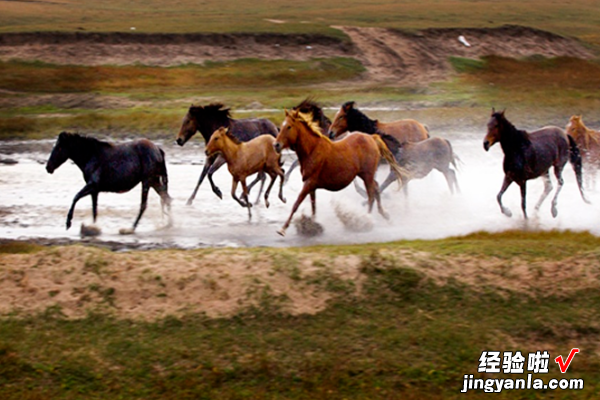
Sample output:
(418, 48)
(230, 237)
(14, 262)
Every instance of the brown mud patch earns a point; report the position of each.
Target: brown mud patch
(389, 55)
(77, 279)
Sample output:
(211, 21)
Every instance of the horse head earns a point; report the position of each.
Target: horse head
(217, 141)
(339, 126)
(575, 126)
(189, 127)
(60, 152)
(493, 129)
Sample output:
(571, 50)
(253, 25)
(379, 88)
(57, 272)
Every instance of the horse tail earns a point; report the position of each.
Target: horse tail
(576, 163)
(401, 173)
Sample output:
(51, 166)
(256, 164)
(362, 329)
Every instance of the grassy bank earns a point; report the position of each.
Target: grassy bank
(410, 326)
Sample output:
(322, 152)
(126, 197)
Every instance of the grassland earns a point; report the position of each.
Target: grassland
(402, 333)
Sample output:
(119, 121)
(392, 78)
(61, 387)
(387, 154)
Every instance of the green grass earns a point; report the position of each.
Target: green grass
(403, 337)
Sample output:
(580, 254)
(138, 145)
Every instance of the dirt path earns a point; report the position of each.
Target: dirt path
(389, 55)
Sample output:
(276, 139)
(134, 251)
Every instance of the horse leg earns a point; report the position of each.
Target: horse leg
(292, 167)
(262, 177)
(375, 195)
(559, 178)
(450, 176)
(523, 186)
(303, 193)
(547, 190)
(233, 189)
(87, 190)
(390, 178)
(245, 194)
(218, 163)
(94, 205)
(360, 190)
(505, 185)
(313, 203)
(281, 182)
(273, 176)
(165, 201)
(145, 189)
(207, 166)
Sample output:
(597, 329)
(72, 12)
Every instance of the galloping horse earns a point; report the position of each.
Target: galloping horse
(332, 165)
(420, 158)
(112, 168)
(208, 119)
(310, 107)
(530, 155)
(247, 158)
(588, 141)
(351, 119)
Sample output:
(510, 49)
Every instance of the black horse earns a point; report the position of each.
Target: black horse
(112, 168)
(310, 107)
(531, 155)
(207, 119)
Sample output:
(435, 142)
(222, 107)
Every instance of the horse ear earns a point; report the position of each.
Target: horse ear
(503, 111)
(493, 110)
(349, 105)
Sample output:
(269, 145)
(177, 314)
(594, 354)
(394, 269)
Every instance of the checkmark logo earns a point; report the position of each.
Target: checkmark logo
(565, 365)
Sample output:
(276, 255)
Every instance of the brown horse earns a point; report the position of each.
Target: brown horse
(420, 158)
(310, 107)
(349, 119)
(247, 158)
(531, 155)
(588, 141)
(332, 165)
(208, 119)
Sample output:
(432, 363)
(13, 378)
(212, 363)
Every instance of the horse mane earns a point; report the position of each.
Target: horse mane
(215, 111)
(521, 135)
(307, 119)
(78, 140)
(310, 106)
(232, 137)
(357, 119)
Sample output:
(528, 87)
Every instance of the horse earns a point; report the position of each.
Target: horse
(206, 120)
(420, 158)
(111, 167)
(310, 107)
(588, 142)
(247, 158)
(332, 165)
(531, 155)
(349, 118)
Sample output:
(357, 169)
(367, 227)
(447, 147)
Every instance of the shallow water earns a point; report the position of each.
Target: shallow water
(33, 204)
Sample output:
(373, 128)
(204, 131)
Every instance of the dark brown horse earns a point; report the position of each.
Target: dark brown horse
(245, 159)
(332, 165)
(207, 119)
(310, 107)
(350, 119)
(112, 168)
(531, 155)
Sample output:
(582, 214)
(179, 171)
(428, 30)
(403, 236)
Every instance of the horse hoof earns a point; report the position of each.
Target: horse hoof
(267, 204)
(219, 194)
(281, 232)
(385, 215)
(554, 212)
(126, 231)
(189, 202)
(507, 212)
(283, 200)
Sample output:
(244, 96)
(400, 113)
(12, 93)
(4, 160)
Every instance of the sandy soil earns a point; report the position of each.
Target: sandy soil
(220, 283)
(389, 55)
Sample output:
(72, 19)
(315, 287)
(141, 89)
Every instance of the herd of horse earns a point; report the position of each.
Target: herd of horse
(331, 155)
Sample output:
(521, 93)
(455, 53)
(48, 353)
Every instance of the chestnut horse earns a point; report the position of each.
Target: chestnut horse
(588, 141)
(531, 155)
(247, 158)
(310, 107)
(208, 119)
(332, 165)
(108, 167)
(350, 119)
